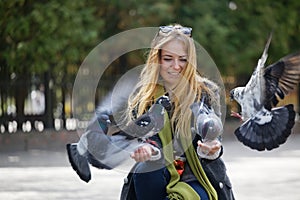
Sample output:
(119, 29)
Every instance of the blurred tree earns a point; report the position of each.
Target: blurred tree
(44, 37)
(251, 24)
(235, 32)
(50, 39)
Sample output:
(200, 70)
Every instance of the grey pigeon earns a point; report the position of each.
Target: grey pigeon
(149, 123)
(106, 150)
(266, 126)
(207, 124)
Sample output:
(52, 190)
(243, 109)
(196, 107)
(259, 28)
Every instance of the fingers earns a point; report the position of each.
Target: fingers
(205, 149)
(216, 147)
(142, 154)
(210, 147)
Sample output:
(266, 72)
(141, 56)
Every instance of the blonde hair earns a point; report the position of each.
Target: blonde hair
(187, 91)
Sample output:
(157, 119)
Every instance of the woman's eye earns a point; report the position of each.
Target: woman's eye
(183, 60)
(167, 59)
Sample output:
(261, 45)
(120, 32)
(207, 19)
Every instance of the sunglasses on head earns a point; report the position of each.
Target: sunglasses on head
(185, 30)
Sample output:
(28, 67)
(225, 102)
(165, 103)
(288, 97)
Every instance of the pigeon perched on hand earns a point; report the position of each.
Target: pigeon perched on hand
(266, 126)
(208, 125)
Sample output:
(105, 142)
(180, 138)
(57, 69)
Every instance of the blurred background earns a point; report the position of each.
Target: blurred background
(43, 43)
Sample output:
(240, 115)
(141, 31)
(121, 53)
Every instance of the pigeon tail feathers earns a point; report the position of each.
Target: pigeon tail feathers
(267, 129)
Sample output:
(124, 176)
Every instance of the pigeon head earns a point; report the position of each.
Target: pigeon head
(237, 94)
(165, 102)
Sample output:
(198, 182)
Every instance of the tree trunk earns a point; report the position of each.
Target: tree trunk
(49, 119)
(21, 86)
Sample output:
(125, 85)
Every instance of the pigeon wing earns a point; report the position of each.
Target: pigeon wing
(149, 123)
(253, 93)
(255, 78)
(281, 78)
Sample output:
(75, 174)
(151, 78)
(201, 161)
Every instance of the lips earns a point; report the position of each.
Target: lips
(174, 74)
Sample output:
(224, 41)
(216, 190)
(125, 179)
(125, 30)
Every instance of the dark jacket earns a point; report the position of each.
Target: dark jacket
(214, 169)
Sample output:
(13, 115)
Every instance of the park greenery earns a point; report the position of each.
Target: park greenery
(44, 42)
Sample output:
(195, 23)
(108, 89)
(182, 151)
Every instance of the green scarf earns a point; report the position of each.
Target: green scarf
(176, 189)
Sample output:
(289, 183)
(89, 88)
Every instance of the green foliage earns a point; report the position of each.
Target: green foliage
(55, 36)
(235, 32)
(39, 35)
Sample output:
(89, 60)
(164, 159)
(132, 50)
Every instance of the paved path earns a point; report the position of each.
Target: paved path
(46, 175)
(265, 175)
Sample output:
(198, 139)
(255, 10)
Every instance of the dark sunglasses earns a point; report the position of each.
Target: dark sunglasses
(185, 30)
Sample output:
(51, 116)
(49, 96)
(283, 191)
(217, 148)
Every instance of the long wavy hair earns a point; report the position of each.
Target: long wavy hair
(187, 91)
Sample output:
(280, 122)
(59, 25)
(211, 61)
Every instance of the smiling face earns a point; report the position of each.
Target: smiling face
(173, 60)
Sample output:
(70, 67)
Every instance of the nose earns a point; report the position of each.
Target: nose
(176, 65)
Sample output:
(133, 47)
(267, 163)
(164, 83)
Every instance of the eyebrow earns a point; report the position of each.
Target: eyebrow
(168, 55)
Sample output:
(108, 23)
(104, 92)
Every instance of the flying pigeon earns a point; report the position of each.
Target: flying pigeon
(266, 126)
(107, 151)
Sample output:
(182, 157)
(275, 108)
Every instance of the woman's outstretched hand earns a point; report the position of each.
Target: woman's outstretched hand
(142, 154)
(209, 147)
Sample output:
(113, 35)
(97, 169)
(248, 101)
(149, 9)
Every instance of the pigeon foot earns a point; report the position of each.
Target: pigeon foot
(237, 115)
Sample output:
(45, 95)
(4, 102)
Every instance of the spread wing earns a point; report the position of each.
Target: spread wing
(255, 80)
(281, 78)
(251, 97)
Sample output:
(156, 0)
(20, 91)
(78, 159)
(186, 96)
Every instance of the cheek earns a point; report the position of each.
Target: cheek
(164, 64)
(163, 69)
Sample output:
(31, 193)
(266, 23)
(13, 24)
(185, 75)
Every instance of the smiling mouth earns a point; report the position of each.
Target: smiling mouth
(174, 74)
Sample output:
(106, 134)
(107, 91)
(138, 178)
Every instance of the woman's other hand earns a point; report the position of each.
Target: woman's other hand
(142, 154)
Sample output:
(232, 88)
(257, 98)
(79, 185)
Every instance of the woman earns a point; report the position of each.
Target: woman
(175, 171)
